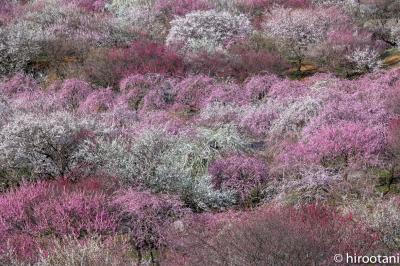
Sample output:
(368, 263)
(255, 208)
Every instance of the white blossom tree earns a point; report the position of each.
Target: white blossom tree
(34, 145)
(297, 31)
(207, 30)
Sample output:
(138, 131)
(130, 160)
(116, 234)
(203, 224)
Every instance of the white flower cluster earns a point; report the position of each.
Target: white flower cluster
(365, 59)
(297, 30)
(45, 146)
(19, 43)
(295, 117)
(395, 33)
(207, 30)
(227, 5)
(121, 7)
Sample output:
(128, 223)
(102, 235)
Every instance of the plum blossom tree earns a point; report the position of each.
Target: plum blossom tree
(365, 60)
(19, 44)
(5, 112)
(381, 215)
(146, 218)
(216, 113)
(243, 174)
(257, 121)
(71, 93)
(91, 5)
(299, 30)
(207, 30)
(37, 146)
(295, 117)
(98, 101)
(341, 145)
(191, 93)
(349, 51)
(257, 87)
(18, 83)
(145, 57)
(183, 169)
(121, 6)
(33, 211)
(171, 164)
(146, 92)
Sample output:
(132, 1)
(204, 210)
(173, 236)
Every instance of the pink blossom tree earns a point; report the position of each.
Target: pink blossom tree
(298, 31)
(243, 174)
(33, 212)
(146, 217)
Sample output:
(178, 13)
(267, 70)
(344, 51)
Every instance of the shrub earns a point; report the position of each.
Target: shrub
(207, 30)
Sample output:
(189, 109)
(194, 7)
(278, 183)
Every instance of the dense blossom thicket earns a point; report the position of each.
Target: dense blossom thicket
(198, 132)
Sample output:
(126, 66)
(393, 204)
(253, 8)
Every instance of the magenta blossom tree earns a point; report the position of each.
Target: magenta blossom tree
(145, 217)
(243, 174)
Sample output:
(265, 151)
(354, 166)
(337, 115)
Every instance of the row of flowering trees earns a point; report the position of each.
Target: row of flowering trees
(86, 38)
